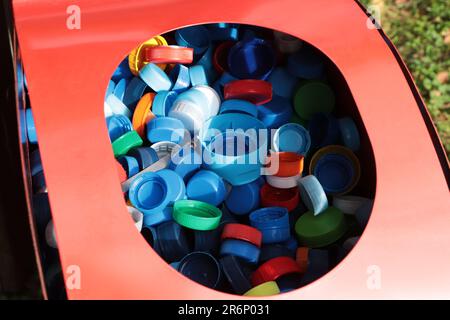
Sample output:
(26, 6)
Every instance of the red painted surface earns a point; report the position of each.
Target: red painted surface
(67, 72)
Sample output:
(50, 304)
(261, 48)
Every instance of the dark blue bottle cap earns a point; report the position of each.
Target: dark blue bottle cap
(349, 133)
(145, 156)
(270, 251)
(173, 241)
(323, 129)
(185, 162)
(275, 113)
(242, 249)
(119, 89)
(206, 186)
(251, 59)
(130, 164)
(155, 218)
(273, 222)
(162, 103)
(122, 71)
(291, 244)
(289, 282)
(180, 78)
(196, 37)
(165, 129)
(31, 130)
(118, 125)
(245, 198)
(307, 63)
(239, 106)
(236, 273)
(227, 216)
(318, 265)
(35, 162)
(208, 241)
(362, 215)
(150, 235)
(177, 188)
(202, 268)
(42, 213)
(38, 181)
(283, 83)
(133, 93)
(207, 62)
(335, 173)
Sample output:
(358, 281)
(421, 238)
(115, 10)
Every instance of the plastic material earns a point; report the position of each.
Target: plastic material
(242, 232)
(273, 269)
(313, 97)
(274, 197)
(239, 106)
(241, 249)
(237, 274)
(255, 91)
(165, 129)
(244, 198)
(275, 113)
(149, 193)
(143, 114)
(268, 288)
(202, 268)
(196, 215)
(162, 103)
(126, 142)
(179, 76)
(292, 137)
(312, 194)
(155, 78)
(208, 187)
(273, 222)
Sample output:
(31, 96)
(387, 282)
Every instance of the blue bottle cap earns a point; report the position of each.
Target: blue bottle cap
(323, 129)
(349, 133)
(151, 236)
(283, 83)
(251, 59)
(164, 148)
(242, 249)
(110, 88)
(156, 218)
(173, 241)
(185, 162)
(270, 251)
(165, 129)
(133, 93)
(41, 210)
(273, 222)
(291, 244)
(208, 241)
(191, 114)
(155, 78)
(292, 137)
(227, 216)
(307, 63)
(117, 106)
(118, 125)
(38, 181)
(119, 90)
(289, 282)
(225, 78)
(275, 113)
(318, 265)
(149, 193)
(236, 273)
(202, 268)
(223, 32)
(198, 75)
(31, 130)
(196, 37)
(145, 156)
(179, 76)
(239, 106)
(206, 186)
(245, 198)
(207, 62)
(162, 102)
(312, 194)
(35, 162)
(122, 71)
(335, 173)
(177, 190)
(130, 164)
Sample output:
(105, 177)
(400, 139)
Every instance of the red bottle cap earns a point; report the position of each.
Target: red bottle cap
(301, 257)
(274, 197)
(255, 91)
(220, 57)
(273, 269)
(242, 232)
(169, 54)
(289, 163)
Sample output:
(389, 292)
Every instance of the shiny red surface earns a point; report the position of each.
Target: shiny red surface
(242, 232)
(256, 91)
(407, 239)
(273, 269)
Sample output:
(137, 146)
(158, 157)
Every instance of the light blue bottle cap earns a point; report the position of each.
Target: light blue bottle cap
(145, 156)
(349, 133)
(152, 219)
(292, 137)
(208, 187)
(119, 90)
(185, 162)
(198, 75)
(245, 198)
(283, 83)
(313, 195)
(239, 106)
(149, 193)
(335, 173)
(275, 113)
(196, 37)
(162, 103)
(205, 97)
(110, 88)
(155, 78)
(165, 129)
(122, 71)
(117, 106)
(130, 164)
(31, 130)
(177, 188)
(133, 93)
(307, 63)
(117, 126)
(180, 78)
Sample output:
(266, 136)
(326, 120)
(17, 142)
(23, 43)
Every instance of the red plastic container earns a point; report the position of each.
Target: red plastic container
(406, 244)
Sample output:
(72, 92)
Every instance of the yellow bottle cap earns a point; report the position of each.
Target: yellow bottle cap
(136, 57)
(268, 288)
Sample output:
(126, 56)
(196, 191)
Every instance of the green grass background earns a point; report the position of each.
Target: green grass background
(420, 29)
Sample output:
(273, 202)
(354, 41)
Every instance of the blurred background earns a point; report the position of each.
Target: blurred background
(420, 29)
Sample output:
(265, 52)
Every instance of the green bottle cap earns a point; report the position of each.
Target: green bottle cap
(124, 143)
(312, 97)
(196, 215)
